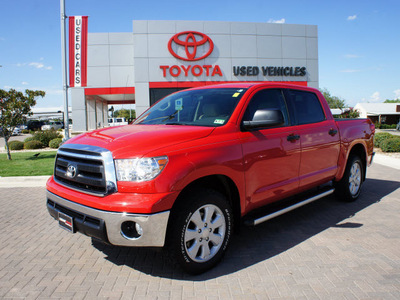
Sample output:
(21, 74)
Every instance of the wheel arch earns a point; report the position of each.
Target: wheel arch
(359, 150)
(220, 183)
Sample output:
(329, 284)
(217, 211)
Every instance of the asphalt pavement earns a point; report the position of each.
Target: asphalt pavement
(325, 250)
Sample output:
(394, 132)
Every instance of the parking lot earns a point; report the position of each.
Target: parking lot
(325, 250)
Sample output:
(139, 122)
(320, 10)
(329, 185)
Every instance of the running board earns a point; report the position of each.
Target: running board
(287, 209)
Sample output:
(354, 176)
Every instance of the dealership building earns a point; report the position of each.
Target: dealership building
(160, 57)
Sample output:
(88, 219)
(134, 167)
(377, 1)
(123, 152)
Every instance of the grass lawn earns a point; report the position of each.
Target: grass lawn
(26, 164)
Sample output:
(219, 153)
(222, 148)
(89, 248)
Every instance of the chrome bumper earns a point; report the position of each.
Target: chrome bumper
(154, 226)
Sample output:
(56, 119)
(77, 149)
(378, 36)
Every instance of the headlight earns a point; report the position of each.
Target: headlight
(139, 169)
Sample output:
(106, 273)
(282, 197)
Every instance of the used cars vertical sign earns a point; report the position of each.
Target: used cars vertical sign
(78, 31)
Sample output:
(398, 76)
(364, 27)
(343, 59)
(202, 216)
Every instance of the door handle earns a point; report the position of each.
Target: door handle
(293, 137)
(332, 132)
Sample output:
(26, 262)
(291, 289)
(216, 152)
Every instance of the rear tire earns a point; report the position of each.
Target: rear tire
(200, 231)
(349, 187)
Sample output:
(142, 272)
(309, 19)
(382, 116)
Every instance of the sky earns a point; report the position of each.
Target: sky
(358, 40)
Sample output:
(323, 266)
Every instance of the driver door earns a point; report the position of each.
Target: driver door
(271, 155)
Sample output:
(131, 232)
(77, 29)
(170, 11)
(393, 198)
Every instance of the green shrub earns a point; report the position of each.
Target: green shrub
(46, 136)
(55, 143)
(33, 145)
(25, 131)
(29, 138)
(385, 126)
(391, 145)
(16, 145)
(380, 137)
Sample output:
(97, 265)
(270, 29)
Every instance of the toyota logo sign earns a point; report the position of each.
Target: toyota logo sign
(196, 45)
(71, 171)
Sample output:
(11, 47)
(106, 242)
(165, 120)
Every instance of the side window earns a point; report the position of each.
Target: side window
(307, 107)
(267, 99)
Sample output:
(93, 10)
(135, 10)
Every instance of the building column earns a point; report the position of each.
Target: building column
(91, 114)
(142, 96)
(78, 105)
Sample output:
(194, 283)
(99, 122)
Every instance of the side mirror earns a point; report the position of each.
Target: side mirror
(265, 118)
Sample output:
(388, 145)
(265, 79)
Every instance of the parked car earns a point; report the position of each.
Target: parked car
(22, 127)
(398, 126)
(203, 161)
(34, 125)
(117, 122)
(53, 125)
(17, 131)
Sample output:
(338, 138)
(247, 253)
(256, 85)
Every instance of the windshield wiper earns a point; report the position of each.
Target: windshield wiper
(174, 123)
(171, 116)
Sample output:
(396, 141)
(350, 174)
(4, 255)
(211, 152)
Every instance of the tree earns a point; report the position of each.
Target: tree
(14, 108)
(350, 114)
(333, 101)
(392, 101)
(125, 113)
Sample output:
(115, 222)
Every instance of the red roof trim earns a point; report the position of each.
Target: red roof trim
(176, 84)
(109, 91)
(191, 84)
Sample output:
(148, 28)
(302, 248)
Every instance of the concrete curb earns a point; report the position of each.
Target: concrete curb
(387, 161)
(23, 181)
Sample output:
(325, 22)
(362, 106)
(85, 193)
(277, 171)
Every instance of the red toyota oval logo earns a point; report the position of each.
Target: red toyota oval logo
(196, 45)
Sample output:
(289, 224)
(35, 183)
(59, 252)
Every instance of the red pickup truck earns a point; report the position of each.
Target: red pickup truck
(202, 161)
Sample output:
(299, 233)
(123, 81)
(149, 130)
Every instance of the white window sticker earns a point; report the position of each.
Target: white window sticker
(178, 104)
(219, 121)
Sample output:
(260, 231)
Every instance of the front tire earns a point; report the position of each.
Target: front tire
(349, 187)
(200, 231)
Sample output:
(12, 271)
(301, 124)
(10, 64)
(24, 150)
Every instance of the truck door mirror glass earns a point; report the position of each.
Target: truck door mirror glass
(265, 118)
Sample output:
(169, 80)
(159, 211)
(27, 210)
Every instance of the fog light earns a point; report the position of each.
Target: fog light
(139, 229)
(131, 230)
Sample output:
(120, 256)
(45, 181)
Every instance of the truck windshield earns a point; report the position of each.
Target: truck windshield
(208, 107)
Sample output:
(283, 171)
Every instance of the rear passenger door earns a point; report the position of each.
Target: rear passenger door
(319, 137)
(271, 155)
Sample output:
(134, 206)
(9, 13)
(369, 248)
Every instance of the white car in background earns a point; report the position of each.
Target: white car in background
(117, 122)
(53, 125)
(17, 131)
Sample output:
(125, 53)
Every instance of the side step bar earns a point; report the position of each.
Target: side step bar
(289, 208)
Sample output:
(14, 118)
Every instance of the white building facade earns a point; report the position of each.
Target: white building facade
(381, 113)
(160, 57)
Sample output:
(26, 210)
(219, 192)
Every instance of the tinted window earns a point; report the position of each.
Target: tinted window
(266, 99)
(307, 107)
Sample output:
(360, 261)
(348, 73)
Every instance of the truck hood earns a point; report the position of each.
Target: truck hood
(138, 140)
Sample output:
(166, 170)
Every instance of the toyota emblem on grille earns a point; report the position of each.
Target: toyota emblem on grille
(194, 43)
(71, 171)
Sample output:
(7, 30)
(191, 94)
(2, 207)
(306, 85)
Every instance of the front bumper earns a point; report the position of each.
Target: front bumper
(106, 225)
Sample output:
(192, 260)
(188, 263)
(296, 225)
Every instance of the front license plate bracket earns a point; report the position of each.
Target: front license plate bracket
(66, 222)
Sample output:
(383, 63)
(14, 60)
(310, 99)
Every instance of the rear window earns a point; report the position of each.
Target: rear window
(307, 107)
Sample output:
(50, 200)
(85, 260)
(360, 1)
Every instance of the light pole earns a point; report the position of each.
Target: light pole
(64, 68)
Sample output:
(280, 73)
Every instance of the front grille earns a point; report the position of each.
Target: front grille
(84, 170)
